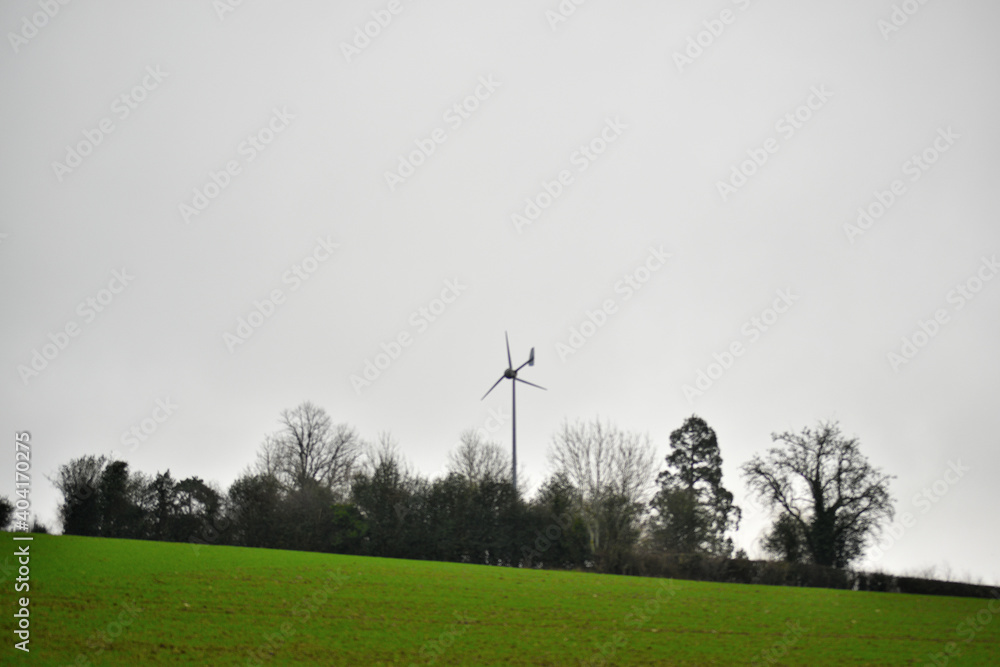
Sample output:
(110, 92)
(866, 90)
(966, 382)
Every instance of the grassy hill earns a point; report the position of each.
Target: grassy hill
(102, 601)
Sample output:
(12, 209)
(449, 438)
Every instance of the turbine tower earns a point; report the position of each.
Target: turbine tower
(511, 374)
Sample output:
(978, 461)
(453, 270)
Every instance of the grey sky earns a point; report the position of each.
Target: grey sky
(620, 142)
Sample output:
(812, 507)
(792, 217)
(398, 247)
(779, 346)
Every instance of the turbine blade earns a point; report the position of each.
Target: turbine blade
(492, 388)
(510, 364)
(531, 383)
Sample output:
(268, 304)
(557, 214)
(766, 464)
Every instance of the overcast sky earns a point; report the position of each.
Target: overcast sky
(210, 213)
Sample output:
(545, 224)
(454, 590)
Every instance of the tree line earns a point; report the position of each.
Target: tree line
(317, 486)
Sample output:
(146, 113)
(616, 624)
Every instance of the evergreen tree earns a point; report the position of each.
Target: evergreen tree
(693, 510)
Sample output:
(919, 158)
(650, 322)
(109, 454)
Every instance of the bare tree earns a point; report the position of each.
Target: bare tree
(79, 481)
(613, 472)
(829, 498)
(309, 449)
(479, 460)
(599, 458)
(382, 453)
(269, 460)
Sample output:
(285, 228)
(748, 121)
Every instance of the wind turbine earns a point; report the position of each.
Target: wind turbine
(511, 374)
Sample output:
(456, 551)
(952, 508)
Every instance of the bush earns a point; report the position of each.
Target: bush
(918, 586)
(697, 567)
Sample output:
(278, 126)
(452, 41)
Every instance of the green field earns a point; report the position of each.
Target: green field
(101, 601)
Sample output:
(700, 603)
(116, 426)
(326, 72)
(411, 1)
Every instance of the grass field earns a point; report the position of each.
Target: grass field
(122, 602)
